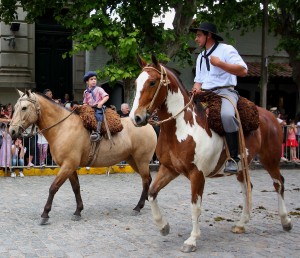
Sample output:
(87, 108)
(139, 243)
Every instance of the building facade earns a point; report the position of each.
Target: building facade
(31, 58)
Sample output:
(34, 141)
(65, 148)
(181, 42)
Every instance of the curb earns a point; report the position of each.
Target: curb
(80, 171)
(120, 169)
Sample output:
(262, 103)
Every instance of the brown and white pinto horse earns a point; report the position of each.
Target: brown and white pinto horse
(70, 145)
(186, 146)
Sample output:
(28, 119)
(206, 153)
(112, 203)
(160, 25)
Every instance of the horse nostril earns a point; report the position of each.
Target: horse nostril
(137, 120)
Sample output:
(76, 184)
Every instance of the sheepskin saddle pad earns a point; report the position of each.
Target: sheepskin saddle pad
(87, 115)
(247, 111)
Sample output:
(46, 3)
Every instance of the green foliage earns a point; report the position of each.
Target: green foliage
(125, 28)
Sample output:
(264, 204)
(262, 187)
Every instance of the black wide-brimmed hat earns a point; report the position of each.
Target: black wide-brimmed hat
(209, 27)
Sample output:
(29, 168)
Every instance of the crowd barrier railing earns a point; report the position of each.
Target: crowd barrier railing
(32, 155)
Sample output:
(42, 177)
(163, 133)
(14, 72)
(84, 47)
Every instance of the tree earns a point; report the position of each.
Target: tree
(284, 21)
(123, 28)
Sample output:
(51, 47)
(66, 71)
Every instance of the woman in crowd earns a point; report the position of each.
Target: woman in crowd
(18, 152)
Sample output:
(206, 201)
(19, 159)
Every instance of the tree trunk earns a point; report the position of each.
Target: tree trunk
(295, 63)
(129, 91)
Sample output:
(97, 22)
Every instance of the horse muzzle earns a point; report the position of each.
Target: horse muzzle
(141, 120)
(15, 131)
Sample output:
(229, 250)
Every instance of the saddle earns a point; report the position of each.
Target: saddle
(247, 110)
(87, 115)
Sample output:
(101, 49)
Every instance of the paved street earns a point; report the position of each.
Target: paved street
(108, 228)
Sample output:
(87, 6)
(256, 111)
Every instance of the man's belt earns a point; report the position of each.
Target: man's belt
(219, 88)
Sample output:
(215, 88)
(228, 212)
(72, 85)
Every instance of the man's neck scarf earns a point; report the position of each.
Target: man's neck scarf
(206, 55)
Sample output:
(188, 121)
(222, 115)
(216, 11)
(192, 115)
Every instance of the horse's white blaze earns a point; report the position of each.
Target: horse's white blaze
(195, 234)
(159, 220)
(140, 81)
(205, 157)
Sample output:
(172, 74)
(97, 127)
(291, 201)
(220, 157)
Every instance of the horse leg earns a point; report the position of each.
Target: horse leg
(197, 186)
(57, 183)
(278, 183)
(143, 169)
(76, 189)
(239, 227)
(163, 177)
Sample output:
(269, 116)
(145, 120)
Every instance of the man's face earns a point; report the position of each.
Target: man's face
(49, 94)
(92, 81)
(125, 109)
(200, 38)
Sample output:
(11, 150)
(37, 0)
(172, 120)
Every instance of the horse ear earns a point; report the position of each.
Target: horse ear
(20, 93)
(142, 63)
(154, 59)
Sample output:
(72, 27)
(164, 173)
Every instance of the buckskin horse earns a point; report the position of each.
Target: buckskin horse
(186, 146)
(70, 145)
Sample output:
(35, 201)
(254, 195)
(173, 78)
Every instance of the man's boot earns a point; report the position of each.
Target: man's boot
(96, 136)
(232, 140)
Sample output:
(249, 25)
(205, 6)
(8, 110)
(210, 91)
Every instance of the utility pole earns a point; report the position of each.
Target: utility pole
(264, 57)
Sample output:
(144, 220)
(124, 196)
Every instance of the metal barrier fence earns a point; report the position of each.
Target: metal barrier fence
(31, 157)
(32, 154)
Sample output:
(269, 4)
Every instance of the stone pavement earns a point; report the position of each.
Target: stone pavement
(108, 228)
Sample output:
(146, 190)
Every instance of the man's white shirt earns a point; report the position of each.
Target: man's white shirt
(217, 77)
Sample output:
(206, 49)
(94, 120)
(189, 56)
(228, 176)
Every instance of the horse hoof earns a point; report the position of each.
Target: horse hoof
(287, 227)
(188, 248)
(76, 217)
(44, 221)
(165, 230)
(135, 213)
(238, 230)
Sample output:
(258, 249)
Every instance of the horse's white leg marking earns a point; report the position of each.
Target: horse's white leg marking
(195, 234)
(240, 225)
(159, 220)
(285, 220)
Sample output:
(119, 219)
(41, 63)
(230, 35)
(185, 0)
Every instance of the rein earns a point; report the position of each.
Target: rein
(49, 127)
(243, 153)
(164, 81)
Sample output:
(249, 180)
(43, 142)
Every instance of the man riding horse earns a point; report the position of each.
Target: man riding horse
(217, 69)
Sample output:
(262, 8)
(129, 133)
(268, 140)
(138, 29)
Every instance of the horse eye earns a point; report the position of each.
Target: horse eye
(152, 83)
(24, 108)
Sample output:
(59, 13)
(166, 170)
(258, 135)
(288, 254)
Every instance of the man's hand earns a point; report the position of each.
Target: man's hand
(196, 88)
(215, 61)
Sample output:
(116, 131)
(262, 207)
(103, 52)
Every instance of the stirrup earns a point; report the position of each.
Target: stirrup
(231, 166)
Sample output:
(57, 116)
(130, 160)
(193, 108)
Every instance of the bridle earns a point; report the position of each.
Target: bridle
(164, 81)
(38, 112)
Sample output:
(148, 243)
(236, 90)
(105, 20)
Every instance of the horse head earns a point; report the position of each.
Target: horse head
(151, 90)
(26, 112)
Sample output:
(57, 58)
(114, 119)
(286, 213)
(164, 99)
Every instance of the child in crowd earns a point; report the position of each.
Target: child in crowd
(18, 152)
(5, 150)
(291, 141)
(43, 148)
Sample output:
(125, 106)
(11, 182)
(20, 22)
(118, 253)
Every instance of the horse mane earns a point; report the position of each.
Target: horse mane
(176, 74)
(51, 100)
